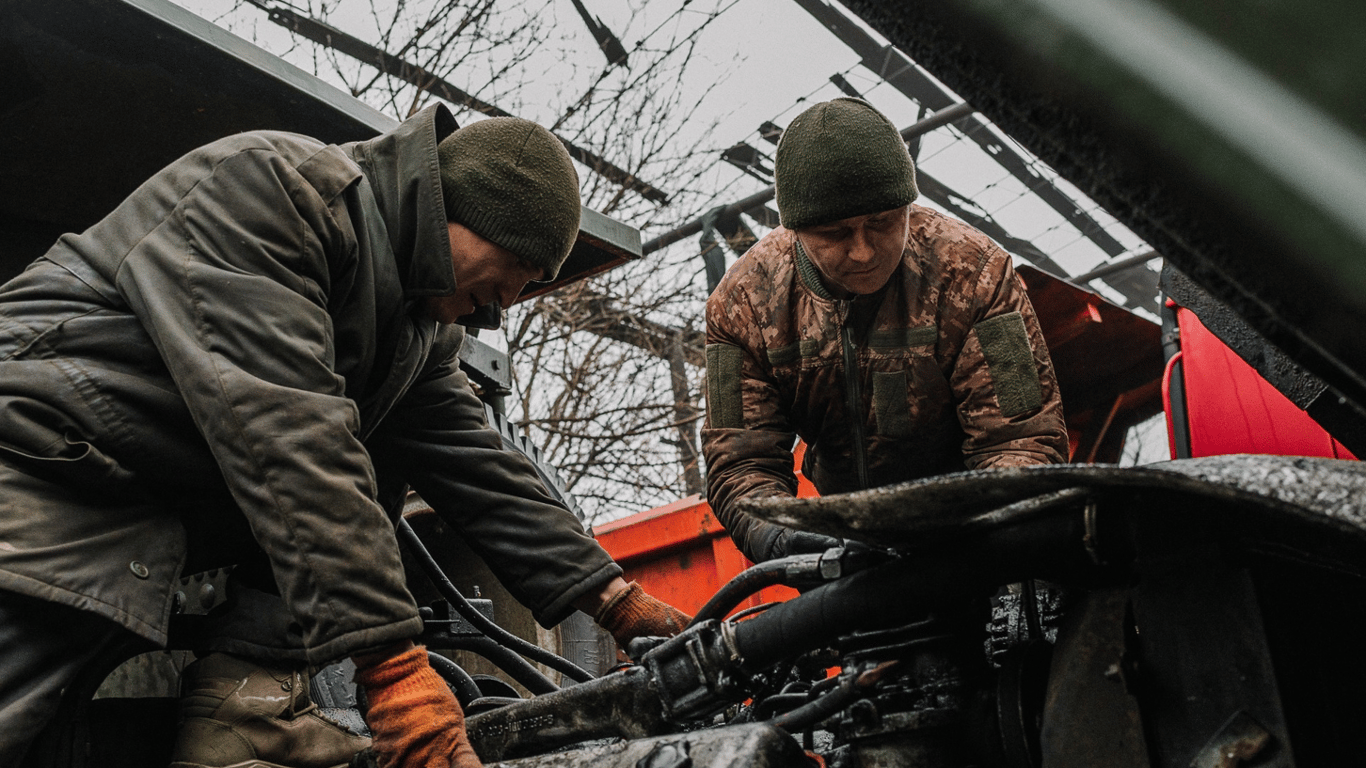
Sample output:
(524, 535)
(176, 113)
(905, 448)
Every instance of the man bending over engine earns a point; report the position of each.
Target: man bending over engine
(250, 361)
(895, 341)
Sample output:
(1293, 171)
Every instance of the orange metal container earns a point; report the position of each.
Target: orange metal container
(681, 554)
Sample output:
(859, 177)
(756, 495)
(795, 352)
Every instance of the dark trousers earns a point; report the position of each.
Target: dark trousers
(44, 648)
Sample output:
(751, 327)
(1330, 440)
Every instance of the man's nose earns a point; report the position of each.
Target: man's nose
(860, 247)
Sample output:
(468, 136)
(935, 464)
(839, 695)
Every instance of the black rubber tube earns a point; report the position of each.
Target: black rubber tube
(480, 621)
(860, 602)
(785, 702)
(807, 715)
(465, 688)
(518, 668)
(752, 580)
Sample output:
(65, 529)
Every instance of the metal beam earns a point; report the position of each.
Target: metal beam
(901, 73)
(331, 37)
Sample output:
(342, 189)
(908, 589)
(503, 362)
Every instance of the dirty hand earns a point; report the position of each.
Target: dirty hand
(631, 613)
(414, 718)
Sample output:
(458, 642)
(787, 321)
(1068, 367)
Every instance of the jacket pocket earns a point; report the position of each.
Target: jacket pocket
(73, 461)
(904, 399)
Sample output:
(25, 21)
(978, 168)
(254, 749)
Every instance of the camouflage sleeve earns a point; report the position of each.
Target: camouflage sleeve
(1003, 382)
(747, 439)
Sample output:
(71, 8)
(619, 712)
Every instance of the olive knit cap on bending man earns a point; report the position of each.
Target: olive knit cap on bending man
(512, 182)
(839, 159)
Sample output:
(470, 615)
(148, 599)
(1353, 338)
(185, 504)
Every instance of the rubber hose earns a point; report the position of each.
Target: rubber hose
(902, 590)
(480, 621)
(518, 668)
(466, 690)
(809, 714)
(748, 582)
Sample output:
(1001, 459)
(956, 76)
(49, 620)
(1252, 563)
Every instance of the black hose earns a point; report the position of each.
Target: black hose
(778, 701)
(803, 717)
(859, 602)
(849, 690)
(753, 609)
(466, 690)
(753, 579)
(480, 621)
(518, 668)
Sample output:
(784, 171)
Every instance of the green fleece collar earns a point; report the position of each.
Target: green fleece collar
(810, 275)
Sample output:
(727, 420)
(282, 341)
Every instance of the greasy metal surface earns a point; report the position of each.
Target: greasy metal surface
(100, 94)
(1238, 742)
(1324, 492)
(1091, 717)
(1195, 159)
(619, 705)
(741, 746)
(1203, 653)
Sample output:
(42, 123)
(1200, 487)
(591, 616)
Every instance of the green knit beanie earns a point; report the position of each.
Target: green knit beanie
(512, 182)
(839, 159)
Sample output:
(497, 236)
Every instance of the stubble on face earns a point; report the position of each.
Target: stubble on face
(857, 255)
(485, 273)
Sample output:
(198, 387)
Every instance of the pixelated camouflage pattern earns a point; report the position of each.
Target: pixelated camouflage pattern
(928, 402)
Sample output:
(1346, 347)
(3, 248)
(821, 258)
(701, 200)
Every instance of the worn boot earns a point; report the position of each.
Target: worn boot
(238, 714)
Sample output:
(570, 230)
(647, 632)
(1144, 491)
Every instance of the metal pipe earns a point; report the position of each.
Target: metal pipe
(938, 119)
(1114, 266)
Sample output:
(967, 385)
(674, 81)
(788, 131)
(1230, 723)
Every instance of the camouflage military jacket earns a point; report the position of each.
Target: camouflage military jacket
(951, 373)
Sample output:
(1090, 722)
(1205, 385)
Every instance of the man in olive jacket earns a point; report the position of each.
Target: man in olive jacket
(897, 342)
(251, 361)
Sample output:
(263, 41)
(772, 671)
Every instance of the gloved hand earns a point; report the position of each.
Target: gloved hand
(632, 613)
(791, 541)
(414, 718)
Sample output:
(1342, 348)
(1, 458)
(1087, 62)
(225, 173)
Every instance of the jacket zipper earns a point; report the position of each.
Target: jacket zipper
(852, 396)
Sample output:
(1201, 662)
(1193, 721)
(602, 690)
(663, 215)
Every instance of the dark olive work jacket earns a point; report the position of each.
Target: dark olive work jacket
(234, 361)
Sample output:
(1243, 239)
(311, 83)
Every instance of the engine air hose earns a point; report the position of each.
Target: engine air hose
(480, 621)
(902, 590)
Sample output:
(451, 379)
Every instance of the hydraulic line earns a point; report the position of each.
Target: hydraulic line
(465, 688)
(822, 615)
(848, 691)
(480, 621)
(518, 668)
(751, 580)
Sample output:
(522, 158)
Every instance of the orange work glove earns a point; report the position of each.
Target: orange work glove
(631, 613)
(414, 718)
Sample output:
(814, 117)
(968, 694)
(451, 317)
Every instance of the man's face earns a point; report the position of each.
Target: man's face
(485, 272)
(858, 255)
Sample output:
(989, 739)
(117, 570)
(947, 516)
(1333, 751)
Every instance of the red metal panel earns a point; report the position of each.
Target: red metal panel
(1232, 409)
(681, 554)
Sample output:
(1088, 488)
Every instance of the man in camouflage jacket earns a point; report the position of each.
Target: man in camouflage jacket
(950, 370)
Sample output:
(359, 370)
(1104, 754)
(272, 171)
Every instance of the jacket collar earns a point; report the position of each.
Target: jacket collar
(404, 171)
(809, 274)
